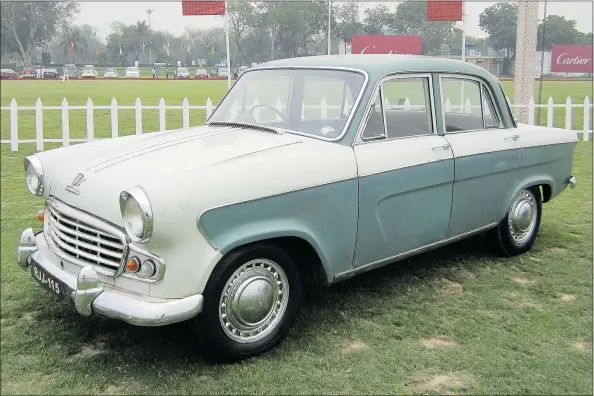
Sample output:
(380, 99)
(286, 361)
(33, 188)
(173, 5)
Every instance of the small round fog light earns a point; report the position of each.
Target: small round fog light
(147, 269)
(133, 264)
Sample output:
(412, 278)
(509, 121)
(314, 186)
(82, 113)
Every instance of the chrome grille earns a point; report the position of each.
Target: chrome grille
(83, 243)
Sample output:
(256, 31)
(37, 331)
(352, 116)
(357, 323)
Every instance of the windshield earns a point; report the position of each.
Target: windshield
(133, 69)
(89, 68)
(110, 70)
(308, 101)
(200, 71)
(182, 70)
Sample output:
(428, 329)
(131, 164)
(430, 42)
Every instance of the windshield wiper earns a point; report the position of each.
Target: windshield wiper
(246, 125)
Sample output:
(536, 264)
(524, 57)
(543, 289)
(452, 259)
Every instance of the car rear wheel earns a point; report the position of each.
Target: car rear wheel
(518, 230)
(250, 302)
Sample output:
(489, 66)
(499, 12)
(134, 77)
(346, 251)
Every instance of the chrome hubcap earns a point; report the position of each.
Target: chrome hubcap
(522, 217)
(254, 300)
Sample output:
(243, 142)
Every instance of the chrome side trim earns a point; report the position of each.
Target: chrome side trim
(354, 109)
(378, 87)
(380, 263)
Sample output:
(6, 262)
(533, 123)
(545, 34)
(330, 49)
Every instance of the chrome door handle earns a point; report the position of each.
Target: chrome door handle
(513, 137)
(444, 147)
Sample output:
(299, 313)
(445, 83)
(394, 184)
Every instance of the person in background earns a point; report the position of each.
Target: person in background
(153, 73)
(167, 73)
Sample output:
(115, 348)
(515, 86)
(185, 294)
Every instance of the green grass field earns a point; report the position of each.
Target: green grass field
(456, 320)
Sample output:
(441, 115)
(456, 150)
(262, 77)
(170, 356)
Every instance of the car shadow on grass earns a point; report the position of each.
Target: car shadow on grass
(121, 344)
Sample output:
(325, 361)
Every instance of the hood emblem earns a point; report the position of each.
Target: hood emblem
(75, 183)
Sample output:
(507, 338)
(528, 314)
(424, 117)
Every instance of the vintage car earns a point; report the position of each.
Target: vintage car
(8, 74)
(313, 169)
(89, 71)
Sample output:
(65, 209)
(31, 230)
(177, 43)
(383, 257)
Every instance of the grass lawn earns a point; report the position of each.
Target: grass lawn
(457, 319)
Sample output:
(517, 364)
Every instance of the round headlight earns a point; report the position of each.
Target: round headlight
(34, 174)
(136, 214)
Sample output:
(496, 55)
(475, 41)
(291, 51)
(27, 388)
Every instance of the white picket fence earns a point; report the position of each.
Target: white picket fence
(65, 108)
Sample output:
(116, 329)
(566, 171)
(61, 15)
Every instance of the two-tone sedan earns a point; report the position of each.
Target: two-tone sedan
(311, 169)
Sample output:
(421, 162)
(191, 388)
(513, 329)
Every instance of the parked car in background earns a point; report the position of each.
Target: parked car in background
(201, 74)
(111, 72)
(182, 72)
(29, 72)
(7, 74)
(241, 70)
(71, 70)
(132, 72)
(50, 73)
(221, 72)
(225, 223)
(89, 71)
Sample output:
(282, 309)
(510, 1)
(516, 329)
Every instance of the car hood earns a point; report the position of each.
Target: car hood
(113, 165)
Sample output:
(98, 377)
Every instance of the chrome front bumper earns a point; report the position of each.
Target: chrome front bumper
(91, 296)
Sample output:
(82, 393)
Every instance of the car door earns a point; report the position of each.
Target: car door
(406, 172)
(487, 156)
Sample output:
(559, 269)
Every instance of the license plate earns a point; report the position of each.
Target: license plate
(50, 283)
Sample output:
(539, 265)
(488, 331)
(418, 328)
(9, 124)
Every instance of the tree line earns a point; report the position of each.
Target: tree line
(259, 31)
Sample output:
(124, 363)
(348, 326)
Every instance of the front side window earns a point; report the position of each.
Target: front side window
(402, 108)
(408, 107)
(310, 101)
(375, 127)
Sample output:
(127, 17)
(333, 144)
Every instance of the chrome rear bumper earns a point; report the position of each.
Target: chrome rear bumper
(572, 181)
(91, 296)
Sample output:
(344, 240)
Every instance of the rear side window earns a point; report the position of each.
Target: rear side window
(467, 105)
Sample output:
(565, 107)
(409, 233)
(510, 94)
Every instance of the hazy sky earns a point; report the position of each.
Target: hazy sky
(167, 15)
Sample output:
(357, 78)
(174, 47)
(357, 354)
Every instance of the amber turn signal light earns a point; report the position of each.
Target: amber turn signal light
(40, 215)
(133, 264)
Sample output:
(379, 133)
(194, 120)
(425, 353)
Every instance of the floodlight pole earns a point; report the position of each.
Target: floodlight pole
(227, 45)
(329, 24)
(149, 12)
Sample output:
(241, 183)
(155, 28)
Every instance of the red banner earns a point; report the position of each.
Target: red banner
(571, 58)
(203, 8)
(444, 10)
(385, 44)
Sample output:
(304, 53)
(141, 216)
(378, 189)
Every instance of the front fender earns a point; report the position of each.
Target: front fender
(259, 230)
(324, 216)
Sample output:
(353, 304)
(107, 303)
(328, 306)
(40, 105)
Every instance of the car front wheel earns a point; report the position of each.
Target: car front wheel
(250, 302)
(518, 230)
